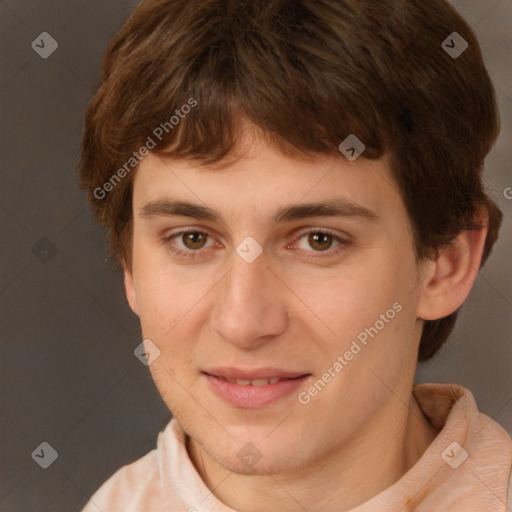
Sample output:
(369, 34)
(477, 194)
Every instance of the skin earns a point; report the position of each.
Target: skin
(288, 311)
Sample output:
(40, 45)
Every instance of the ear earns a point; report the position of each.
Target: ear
(129, 288)
(451, 275)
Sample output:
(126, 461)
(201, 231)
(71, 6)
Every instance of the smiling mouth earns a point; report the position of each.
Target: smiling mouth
(253, 389)
(250, 388)
(255, 382)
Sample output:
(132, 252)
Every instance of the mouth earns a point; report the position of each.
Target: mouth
(254, 388)
(248, 382)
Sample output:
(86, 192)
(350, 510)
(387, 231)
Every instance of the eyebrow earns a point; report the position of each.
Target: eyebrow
(334, 208)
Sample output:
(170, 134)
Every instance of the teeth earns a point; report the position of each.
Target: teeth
(255, 382)
(260, 382)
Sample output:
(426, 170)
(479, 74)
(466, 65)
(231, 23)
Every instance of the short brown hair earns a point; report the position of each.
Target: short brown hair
(307, 73)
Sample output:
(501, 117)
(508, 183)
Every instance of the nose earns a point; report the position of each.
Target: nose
(251, 308)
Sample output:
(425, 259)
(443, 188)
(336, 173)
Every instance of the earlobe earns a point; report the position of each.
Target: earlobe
(452, 275)
(131, 293)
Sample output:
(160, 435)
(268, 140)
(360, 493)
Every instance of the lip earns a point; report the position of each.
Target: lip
(253, 397)
(252, 374)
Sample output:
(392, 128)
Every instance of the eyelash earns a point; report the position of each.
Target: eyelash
(195, 254)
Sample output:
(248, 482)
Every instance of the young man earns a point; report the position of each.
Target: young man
(294, 191)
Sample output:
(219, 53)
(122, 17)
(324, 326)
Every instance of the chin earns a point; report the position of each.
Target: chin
(257, 455)
(248, 447)
(273, 465)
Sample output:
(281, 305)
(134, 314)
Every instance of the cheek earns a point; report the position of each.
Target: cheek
(172, 309)
(370, 312)
(371, 349)
(350, 300)
(162, 295)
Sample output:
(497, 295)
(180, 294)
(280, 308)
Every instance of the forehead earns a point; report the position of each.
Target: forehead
(257, 179)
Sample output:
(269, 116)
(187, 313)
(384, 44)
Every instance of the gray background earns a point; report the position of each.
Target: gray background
(68, 373)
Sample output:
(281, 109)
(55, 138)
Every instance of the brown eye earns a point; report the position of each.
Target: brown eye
(194, 239)
(320, 241)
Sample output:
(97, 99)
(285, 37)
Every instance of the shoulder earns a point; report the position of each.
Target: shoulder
(139, 485)
(454, 411)
(122, 488)
(509, 498)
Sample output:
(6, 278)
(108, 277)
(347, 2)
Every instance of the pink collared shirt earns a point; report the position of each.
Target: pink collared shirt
(443, 480)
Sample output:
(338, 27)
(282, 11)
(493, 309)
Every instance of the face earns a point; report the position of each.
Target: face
(281, 329)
